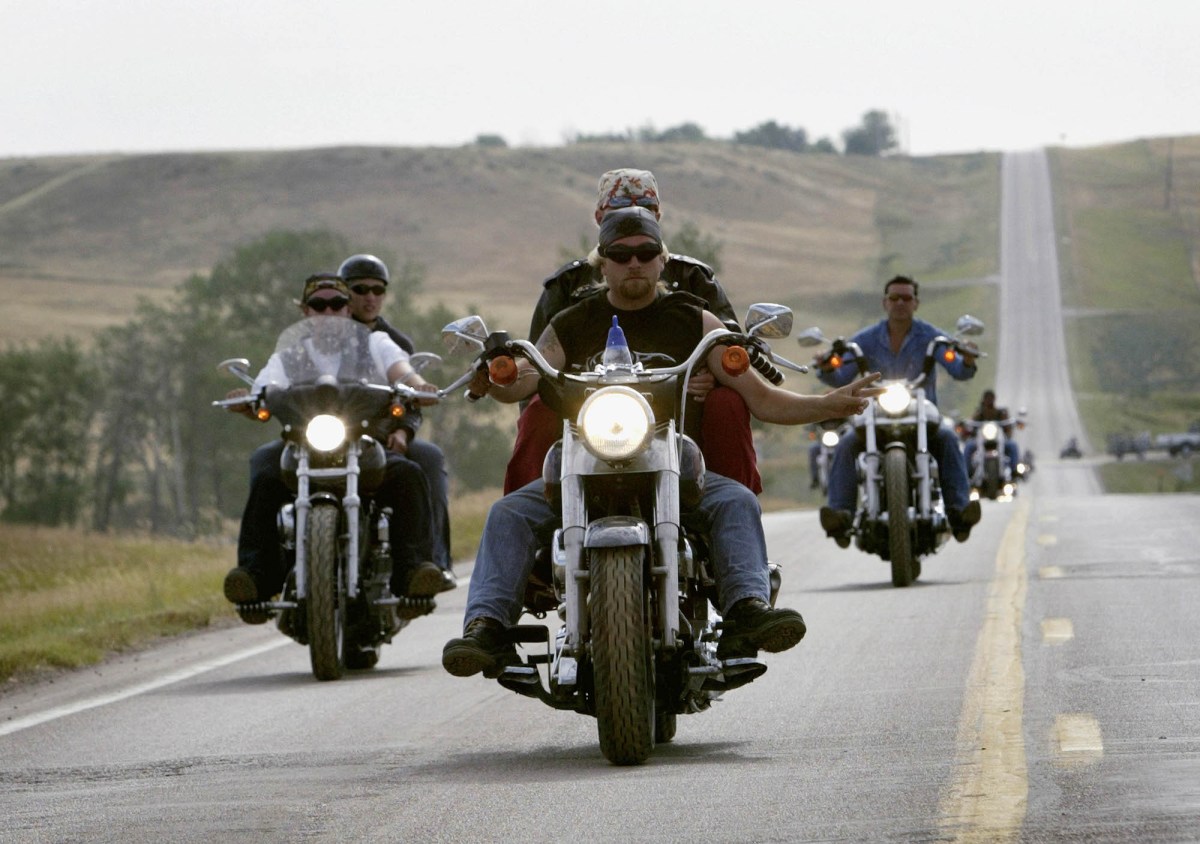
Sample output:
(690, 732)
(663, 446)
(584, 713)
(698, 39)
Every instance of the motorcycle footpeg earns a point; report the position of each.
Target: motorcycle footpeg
(735, 673)
(410, 608)
(528, 634)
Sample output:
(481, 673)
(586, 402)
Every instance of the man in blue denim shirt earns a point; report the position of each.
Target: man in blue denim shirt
(896, 347)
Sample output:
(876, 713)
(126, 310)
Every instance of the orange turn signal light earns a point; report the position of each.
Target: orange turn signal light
(735, 360)
(949, 355)
(835, 361)
(502, 371)
(262, 414)
(397, 410)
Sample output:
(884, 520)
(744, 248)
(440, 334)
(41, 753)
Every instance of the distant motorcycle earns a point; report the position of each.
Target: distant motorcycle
(992, 473)
(337, 598)
(901, 516)
(627, 572)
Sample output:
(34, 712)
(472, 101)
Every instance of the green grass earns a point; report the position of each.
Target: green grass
(1151, 476)
(1129, 225)
(70, 598)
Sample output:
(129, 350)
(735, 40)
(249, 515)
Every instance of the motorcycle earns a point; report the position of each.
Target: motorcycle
(992, 474)
(336, 598)
(901, 516)
(626, 571)
(825, 436)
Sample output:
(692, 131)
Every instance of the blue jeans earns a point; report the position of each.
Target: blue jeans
(731, 517)
(952, 470)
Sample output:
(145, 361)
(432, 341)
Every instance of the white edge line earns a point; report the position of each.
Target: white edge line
(142, 688)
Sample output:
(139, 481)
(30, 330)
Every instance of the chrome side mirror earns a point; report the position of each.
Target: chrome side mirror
(968, 325)
(423, 360)
(465, 335)
(238, 368)
(811, 336)
(771, 321)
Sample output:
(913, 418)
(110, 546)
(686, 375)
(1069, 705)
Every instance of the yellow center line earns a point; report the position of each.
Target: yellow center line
(1057, 630)
(988, 797)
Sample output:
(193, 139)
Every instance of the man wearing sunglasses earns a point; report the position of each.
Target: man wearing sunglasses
(367, 278)
(896, 347)
(631, 257)
(261, 567)
(725, 436)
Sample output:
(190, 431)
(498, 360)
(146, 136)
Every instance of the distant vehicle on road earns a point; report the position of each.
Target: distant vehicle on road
(1180, 445)
(1126, 443)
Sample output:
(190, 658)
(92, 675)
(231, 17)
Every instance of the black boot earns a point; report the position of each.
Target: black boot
(483, 647)
(752, 624)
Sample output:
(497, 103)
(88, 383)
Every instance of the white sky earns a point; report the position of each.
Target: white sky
(954, 75)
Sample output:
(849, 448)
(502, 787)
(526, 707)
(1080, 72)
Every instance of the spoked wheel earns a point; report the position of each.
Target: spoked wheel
(895, 472)
(621, 651)
(326, 598)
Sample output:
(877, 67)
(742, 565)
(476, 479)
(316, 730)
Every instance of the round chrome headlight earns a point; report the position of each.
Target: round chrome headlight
(615, 423)
(325, 432)
(829, 439)
(991, 431)
(895, 399)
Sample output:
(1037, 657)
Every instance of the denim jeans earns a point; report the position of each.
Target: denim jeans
(729, 511)
(404, 489)
(952, 470)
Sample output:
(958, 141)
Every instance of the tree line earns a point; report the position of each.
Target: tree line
(122, 435)
(875, 135)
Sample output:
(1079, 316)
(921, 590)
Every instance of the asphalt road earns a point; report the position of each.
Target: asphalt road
(1038, 683)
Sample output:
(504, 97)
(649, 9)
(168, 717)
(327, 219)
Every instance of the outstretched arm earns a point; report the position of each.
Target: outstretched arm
(783, 407)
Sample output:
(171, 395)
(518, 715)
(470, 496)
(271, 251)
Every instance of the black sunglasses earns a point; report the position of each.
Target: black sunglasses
(364, 289)
(334, 303)
(627, 201)
(624, 254)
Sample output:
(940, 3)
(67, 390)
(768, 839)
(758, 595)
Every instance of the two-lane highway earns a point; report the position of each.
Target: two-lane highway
(1038, 683)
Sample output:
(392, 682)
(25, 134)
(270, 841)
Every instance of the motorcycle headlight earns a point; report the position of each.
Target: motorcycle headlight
(991, 431)
(615, 423)
(325, 432)
(895, 399)
(829, 439)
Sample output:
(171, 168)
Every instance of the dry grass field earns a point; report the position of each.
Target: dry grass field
(82, 238)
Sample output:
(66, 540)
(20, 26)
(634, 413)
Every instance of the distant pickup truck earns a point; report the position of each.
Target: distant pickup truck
(1180, 445)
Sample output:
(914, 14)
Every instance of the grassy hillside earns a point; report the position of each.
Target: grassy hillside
(1129, 226)
(82, 238)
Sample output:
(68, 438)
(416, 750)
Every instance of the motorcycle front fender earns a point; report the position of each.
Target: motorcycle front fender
(616, 532)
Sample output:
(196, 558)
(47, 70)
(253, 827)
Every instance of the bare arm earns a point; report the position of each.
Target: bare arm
(783, 407)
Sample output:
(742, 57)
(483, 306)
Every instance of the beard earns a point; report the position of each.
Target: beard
(635, 287)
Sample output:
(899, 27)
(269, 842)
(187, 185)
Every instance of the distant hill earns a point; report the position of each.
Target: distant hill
(82, 237)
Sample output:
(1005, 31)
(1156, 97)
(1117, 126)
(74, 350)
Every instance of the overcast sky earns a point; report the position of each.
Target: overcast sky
(954, 75)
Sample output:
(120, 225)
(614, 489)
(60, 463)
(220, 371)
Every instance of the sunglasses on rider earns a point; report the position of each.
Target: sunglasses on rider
(628, 201)
(624, 254)
(364, 289)
(900, 297)
(333, 303)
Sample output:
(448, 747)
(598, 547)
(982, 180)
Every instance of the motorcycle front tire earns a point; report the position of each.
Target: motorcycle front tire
(900, 551)
(622, 654)
(326, 599)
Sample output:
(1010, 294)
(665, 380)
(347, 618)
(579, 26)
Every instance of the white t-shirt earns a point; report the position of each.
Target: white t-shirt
(384, 352)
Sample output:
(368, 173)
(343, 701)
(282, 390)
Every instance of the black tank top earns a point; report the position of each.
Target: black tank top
(664, 333)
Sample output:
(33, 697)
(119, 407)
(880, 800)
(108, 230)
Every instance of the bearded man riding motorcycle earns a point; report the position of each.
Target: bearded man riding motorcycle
(724, 435)
(896, 347)
(631, 257)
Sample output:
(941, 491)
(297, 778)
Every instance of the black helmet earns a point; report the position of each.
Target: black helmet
(363, 266)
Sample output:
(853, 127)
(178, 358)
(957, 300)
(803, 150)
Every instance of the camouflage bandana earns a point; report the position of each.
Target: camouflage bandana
(324, 281)
(626, 184)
